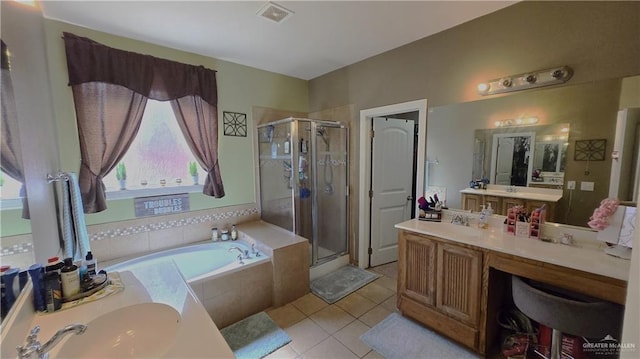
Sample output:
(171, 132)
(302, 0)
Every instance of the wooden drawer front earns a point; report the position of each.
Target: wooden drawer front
(458, 282)
(419, 274)
(432, 318)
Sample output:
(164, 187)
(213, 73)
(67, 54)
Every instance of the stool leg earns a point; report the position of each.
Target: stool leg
(556, 344)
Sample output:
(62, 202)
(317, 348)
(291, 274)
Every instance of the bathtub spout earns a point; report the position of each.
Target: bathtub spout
(243, 254)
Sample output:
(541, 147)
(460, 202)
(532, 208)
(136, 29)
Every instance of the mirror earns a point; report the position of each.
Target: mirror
(625, 165)
(531, 156)
(589, 110)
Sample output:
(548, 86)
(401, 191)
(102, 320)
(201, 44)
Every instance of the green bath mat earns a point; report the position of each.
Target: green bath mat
(340, 283)
(255, 337)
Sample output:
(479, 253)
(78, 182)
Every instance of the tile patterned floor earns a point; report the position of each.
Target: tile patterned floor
(319, 330)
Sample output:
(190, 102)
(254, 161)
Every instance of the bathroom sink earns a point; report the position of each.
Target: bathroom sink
(144, 330)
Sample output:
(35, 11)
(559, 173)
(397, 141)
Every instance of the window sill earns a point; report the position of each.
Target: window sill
(156, 191)
(11, 203)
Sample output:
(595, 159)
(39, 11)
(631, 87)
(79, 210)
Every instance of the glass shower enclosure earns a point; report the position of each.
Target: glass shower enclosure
(303, 182)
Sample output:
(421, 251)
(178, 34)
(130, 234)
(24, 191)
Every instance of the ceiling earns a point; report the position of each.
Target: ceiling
(321, 36)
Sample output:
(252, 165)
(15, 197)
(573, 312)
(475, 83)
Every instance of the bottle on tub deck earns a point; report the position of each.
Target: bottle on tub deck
(70, 277)
(214, 234)
(234, 232)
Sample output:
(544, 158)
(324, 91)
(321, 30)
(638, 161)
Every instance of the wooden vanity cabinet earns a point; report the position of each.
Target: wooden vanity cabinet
(439, 285)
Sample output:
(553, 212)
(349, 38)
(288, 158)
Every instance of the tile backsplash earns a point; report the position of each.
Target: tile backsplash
(124, 239)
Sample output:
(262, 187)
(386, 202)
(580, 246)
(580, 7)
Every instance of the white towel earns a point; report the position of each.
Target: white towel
(74, 229)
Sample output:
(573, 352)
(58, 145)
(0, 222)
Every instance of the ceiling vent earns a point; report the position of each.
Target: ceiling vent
(274, 12)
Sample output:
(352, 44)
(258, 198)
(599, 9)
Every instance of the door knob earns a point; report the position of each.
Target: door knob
(409, 198)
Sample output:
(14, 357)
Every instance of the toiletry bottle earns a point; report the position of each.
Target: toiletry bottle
(482, 220)
(287, 144)
(234, 232)
(225, 235)
(91, 264)
(82, 268)
(52, 290)
(214, 234)
(70, 277)
(36, 272)
(3, 306)
(489, 211)
(9, 285)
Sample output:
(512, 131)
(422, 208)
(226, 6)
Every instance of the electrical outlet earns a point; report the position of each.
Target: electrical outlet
(586, 186)
(571, 184)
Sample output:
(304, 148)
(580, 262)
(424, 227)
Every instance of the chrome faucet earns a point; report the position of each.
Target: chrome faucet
(33, 348)
(460, 220)
(255, 252)
(244, 254)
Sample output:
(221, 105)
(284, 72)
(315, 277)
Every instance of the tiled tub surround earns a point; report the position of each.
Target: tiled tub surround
(241, 291)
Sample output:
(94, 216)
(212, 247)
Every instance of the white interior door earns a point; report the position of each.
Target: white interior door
(391, 185)
(504, 160)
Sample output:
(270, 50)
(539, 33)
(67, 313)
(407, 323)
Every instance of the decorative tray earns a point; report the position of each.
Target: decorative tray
(96, 283)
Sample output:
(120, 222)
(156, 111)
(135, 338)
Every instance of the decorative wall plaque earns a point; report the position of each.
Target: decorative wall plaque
(590, 150)
(235, 124)
(161, 205)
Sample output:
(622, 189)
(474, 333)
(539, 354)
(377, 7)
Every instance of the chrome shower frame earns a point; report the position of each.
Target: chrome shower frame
(316, 127)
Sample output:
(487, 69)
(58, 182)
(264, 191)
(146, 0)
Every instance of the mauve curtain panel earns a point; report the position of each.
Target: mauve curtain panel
(10, 152)
(110, 89)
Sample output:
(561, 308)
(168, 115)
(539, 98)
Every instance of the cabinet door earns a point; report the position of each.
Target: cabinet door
(496, 204)
(471, 201)
(417, 268)
(458, 282)
(510, 202)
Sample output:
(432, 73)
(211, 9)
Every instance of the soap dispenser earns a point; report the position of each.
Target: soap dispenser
(482, 221)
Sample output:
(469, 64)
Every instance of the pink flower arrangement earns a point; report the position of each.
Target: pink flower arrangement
(599, 219)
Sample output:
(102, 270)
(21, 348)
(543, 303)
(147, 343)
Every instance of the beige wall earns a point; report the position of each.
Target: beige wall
(599, 40)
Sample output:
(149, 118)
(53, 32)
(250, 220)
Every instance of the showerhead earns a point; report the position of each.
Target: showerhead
(324, 135)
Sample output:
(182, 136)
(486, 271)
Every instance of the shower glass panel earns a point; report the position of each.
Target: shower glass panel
(303, 182)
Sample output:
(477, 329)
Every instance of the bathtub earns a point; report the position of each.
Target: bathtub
(199, 262)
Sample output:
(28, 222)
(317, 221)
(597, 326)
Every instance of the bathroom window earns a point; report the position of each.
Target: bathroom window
(159, 156)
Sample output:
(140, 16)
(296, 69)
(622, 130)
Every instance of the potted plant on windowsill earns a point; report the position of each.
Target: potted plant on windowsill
(193, 171)
(121, 175)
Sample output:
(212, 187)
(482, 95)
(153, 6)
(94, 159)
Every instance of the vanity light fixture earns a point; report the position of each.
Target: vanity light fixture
(554, 76)
(521, 121)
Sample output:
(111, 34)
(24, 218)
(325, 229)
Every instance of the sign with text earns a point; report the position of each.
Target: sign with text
(161, 205)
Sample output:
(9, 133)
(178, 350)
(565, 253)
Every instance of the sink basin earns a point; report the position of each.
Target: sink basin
(144, 330)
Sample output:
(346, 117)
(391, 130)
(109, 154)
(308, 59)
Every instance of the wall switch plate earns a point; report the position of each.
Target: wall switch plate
(586, 186)
(571, 184)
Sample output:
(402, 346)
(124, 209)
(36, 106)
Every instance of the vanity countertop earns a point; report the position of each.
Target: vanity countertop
(154, 283)
(539, 194)
(585, 259)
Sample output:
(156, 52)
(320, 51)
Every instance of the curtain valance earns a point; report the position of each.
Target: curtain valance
(157, 79)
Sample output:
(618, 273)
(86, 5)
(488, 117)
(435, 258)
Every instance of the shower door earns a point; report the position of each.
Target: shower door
(331, 194)
(303, 182)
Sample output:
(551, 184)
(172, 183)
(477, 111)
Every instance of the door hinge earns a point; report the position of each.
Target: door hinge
(370, 251)
(370, 193)
(372, 133)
